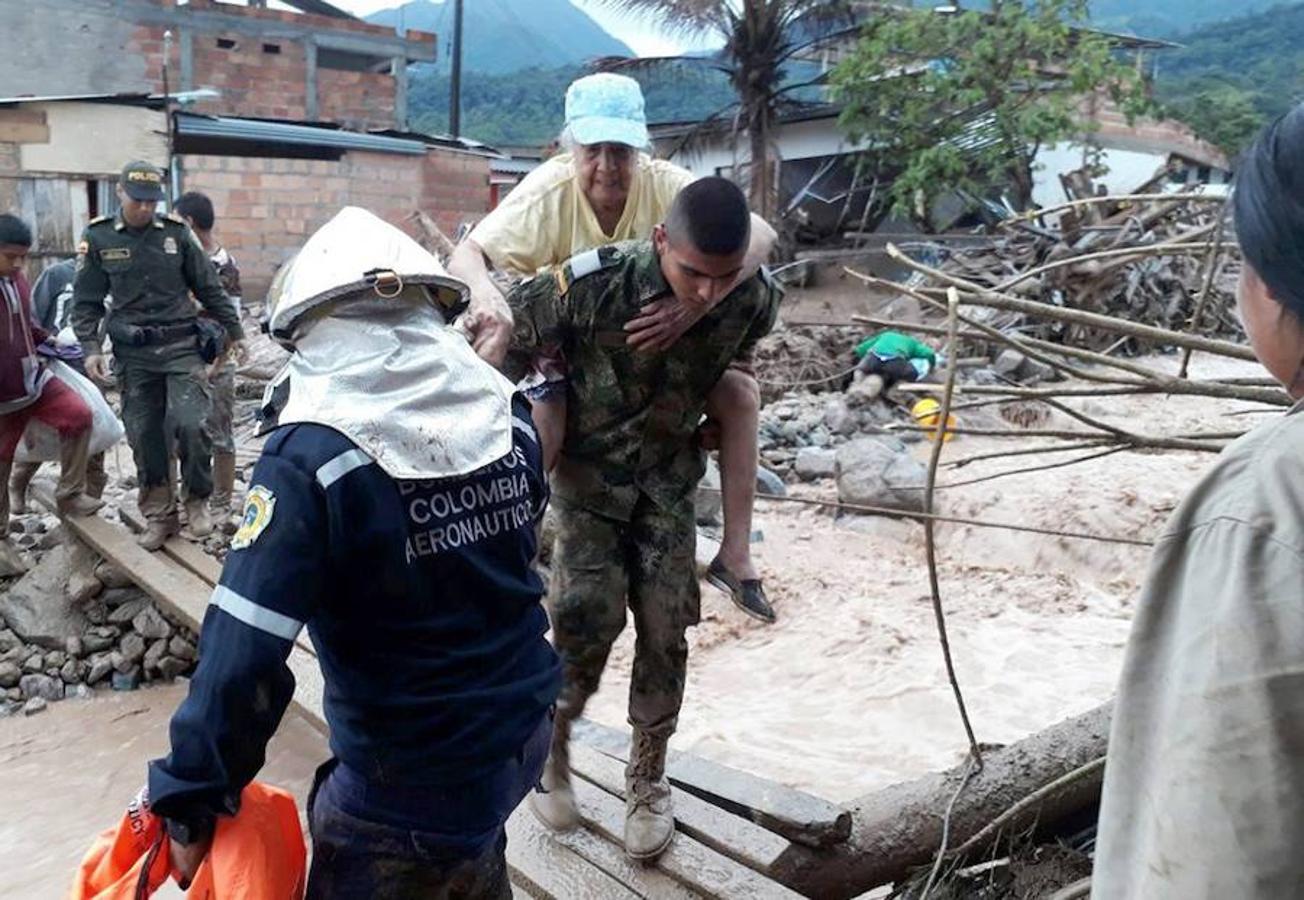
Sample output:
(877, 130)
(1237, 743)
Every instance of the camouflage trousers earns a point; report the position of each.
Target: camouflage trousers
(603, 565)
(157, 406)
(221, 419)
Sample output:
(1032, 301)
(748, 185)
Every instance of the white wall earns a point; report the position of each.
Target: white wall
(796, 140)
(96, 138)
(1128, 170)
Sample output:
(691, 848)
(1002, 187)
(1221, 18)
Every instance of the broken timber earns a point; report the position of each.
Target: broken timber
(715, 854)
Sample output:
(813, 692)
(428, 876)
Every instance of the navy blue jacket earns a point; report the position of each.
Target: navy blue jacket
(420, 598)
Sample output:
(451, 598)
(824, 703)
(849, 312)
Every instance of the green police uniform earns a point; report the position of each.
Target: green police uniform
(630, 463)
(151, 273)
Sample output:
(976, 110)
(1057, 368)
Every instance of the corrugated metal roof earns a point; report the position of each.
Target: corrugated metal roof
(511, 166)
(263, 131)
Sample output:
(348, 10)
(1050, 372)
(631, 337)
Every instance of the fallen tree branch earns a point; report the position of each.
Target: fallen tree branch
(1174, 199)
(1211, 271)
(1024, 471)
(977, 295)
(1202, 443)
(1180, 244)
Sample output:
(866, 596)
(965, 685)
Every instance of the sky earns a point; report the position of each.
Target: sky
(640, 34)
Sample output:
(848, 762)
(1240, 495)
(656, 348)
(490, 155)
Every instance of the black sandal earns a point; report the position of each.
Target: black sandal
(747, 594)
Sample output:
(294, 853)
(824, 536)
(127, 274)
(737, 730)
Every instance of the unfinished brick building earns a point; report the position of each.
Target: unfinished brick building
(285, 116)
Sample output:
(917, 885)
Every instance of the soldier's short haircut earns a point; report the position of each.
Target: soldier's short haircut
(712, 215)
(14, 231)
(197, 208)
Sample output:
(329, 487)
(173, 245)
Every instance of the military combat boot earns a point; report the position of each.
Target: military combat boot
(223, 483)
(649, 820)
(554, 802)
(70, 492)
(198, 520)
(157, 532)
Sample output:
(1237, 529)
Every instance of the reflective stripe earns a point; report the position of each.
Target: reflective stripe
(340, 466)
(525, 426)
(585, 263)
(255, 616)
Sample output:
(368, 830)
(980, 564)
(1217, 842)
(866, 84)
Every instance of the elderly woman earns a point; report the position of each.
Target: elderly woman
(602, 190)
(1204, 788)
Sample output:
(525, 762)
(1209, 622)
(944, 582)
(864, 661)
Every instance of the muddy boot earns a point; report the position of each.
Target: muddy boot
(223, 483)
(18, 484)
(554, 803)
(83, 586)
(649, 821)
(70, 492)
(11, 562)
(97, 478)
(198, 520)
(160, 513)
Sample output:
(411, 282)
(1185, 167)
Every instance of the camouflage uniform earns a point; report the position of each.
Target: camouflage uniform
(630, 463)
(221, 422)
(151, 273)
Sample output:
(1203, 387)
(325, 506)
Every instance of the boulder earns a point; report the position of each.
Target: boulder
(127, 681)
(41, 686)
(838, 417)
(151, 625)
(182, 649)
(9, 675)
(112, 576)
(36, 608)
(132, 649)
(815, 462)
(34, 663)
(128, 611)
(880, 471)
(768, 482)
(154, 655)
(33, 706)
(73, 671)
(171, 667)
(101, 666)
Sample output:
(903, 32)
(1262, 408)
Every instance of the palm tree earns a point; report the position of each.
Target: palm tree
(760, 38)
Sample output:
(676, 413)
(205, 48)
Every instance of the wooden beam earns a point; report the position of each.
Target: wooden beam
(798, 816)
(737, 838)
(689, 862)
(547, 870)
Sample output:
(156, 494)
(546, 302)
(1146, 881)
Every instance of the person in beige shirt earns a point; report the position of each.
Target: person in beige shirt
(1204, 783)
(604, 189)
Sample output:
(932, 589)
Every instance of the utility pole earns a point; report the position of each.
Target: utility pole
(455, 83)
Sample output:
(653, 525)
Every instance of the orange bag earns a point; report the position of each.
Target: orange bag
(257, 855)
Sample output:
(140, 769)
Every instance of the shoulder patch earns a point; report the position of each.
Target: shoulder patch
(173, 217)
(258, 510)
(584, 264)
(98, 219)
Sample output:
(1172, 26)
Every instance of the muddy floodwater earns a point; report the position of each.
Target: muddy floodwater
(69, 772)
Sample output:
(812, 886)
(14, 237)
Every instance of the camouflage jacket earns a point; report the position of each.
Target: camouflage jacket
(151, 273)
(632, 416)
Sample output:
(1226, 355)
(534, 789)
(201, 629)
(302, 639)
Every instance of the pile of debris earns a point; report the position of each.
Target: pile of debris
(1141, 259)
(53, 646)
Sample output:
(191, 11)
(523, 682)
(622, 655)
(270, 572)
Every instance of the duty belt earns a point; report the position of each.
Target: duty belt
(145, 335)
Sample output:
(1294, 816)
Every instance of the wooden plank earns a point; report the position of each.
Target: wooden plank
(686, 860)
(737, 838)
(645, 881)
(802, 818)
(547, 870)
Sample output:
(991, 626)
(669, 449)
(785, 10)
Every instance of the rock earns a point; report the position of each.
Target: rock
(96, 613)
(708, 501)
(154, 655)
(11, 561)
(95, 643)
(115, 597)
(814, 462)
(9, 675)
(128, 611)
(864, 392)
(73, 671)
(113, 577)
(74, 648)
(55, 659)
(26, 541)
(149, 622)
(78, 692)
(880, 472)
(33, 706)
(182, 649)
(9, 640)
(15, 694)
(35, 607)
(41, 686)
(838, 417)
(51, 539)
(132, 649)
(34, 663)
(127, 681)
(769, 483)
(101, 665)
(17, 655)
(1008, 362)
(170, 667)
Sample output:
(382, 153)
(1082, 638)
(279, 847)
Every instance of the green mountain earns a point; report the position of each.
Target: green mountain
(1229, 79)
(1170, 18)
(503, 36)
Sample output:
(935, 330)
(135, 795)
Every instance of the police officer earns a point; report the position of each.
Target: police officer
(152, 264)
(630, 462)
(393, 512)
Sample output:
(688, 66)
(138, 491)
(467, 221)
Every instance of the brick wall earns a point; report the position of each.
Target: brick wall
(253, 81)
(356, 100)
(267, 208)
